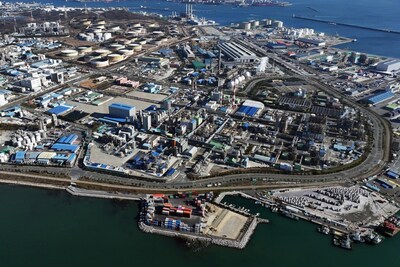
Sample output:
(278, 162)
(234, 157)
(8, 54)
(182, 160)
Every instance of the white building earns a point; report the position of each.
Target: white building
(3, 100)
(390, 65)
(33, 84)
(146, 122)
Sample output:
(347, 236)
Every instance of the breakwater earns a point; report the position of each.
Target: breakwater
(238, 244)
(347, 24)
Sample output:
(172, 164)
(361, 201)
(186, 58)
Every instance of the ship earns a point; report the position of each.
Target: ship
(343, 242)
(390, 227)
(373, 238)
(356, 237)
(324, 229)
(270, 3)
(290, 215)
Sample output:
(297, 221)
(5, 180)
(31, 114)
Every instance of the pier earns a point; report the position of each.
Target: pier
(347, 24)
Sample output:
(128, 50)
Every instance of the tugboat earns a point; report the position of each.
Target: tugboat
(346, 242)
(343, 242)
(356, 237)
(324, 229)
(373, 238)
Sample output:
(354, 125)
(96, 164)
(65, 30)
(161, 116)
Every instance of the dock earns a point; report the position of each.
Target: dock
(347, 24)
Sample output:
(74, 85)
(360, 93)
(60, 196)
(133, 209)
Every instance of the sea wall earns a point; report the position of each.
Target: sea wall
(239, 244)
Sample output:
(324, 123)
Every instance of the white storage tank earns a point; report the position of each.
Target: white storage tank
(84, 49)
(69, 53)
(126, 52)
(115, 58)
(100, 63)
(102, 52)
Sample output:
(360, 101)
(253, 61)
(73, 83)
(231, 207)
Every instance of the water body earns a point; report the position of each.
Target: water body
(378, 14)
(41, 227)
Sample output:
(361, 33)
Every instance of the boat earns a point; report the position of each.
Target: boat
(346, 242)
(270, 3)
(354, 40)
(343, 242)
(290, 215)
(390, 227)
(373, 238)
(324, 229)
(356, 237)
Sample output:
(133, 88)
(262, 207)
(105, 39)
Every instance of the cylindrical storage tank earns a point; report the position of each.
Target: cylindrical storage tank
(115, 28)
(84, 49)
(135, 47)
(86, 23)
(115, 58)
(38, 137)
(137, 25)
(102, 52)
(116, 46)
(126, 52)
(124, 41)
(98, 35)
(255, 23)
(245, 25)
(43, 133)
(69, 53)
(247, 74)
(100, 63)
(97, 30)
(277, 23)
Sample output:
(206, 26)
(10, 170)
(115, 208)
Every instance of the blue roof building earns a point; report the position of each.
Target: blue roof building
(59, 110)
(65, 147)
(20, 156)
(380, 97)
(68, 139)
(119, 110)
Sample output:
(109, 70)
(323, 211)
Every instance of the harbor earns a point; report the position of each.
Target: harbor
(196, 217)
(344, 222)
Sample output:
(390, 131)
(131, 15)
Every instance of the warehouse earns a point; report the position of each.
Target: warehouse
(312, 41)
(380, 97)
(59, 110)
(68, 139)
(45, 157)
(20, 157)
(250, 108)
(237, 52)
(119, 110)
(65, 147)
(390, 65)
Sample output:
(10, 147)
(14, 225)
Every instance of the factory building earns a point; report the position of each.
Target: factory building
(147, 122)
(380, 97)
(187, 52)
(237, 52)
(33, 84)
(312, 41)
(250, 108)
(390, 65)
(119, 110)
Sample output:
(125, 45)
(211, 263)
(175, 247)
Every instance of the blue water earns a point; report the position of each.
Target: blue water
(379, 14)
(374, 13)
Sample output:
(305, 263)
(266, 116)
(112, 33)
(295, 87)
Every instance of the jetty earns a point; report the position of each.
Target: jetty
(347, 24)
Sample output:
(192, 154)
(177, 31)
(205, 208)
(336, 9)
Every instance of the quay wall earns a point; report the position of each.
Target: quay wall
(238, 244)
